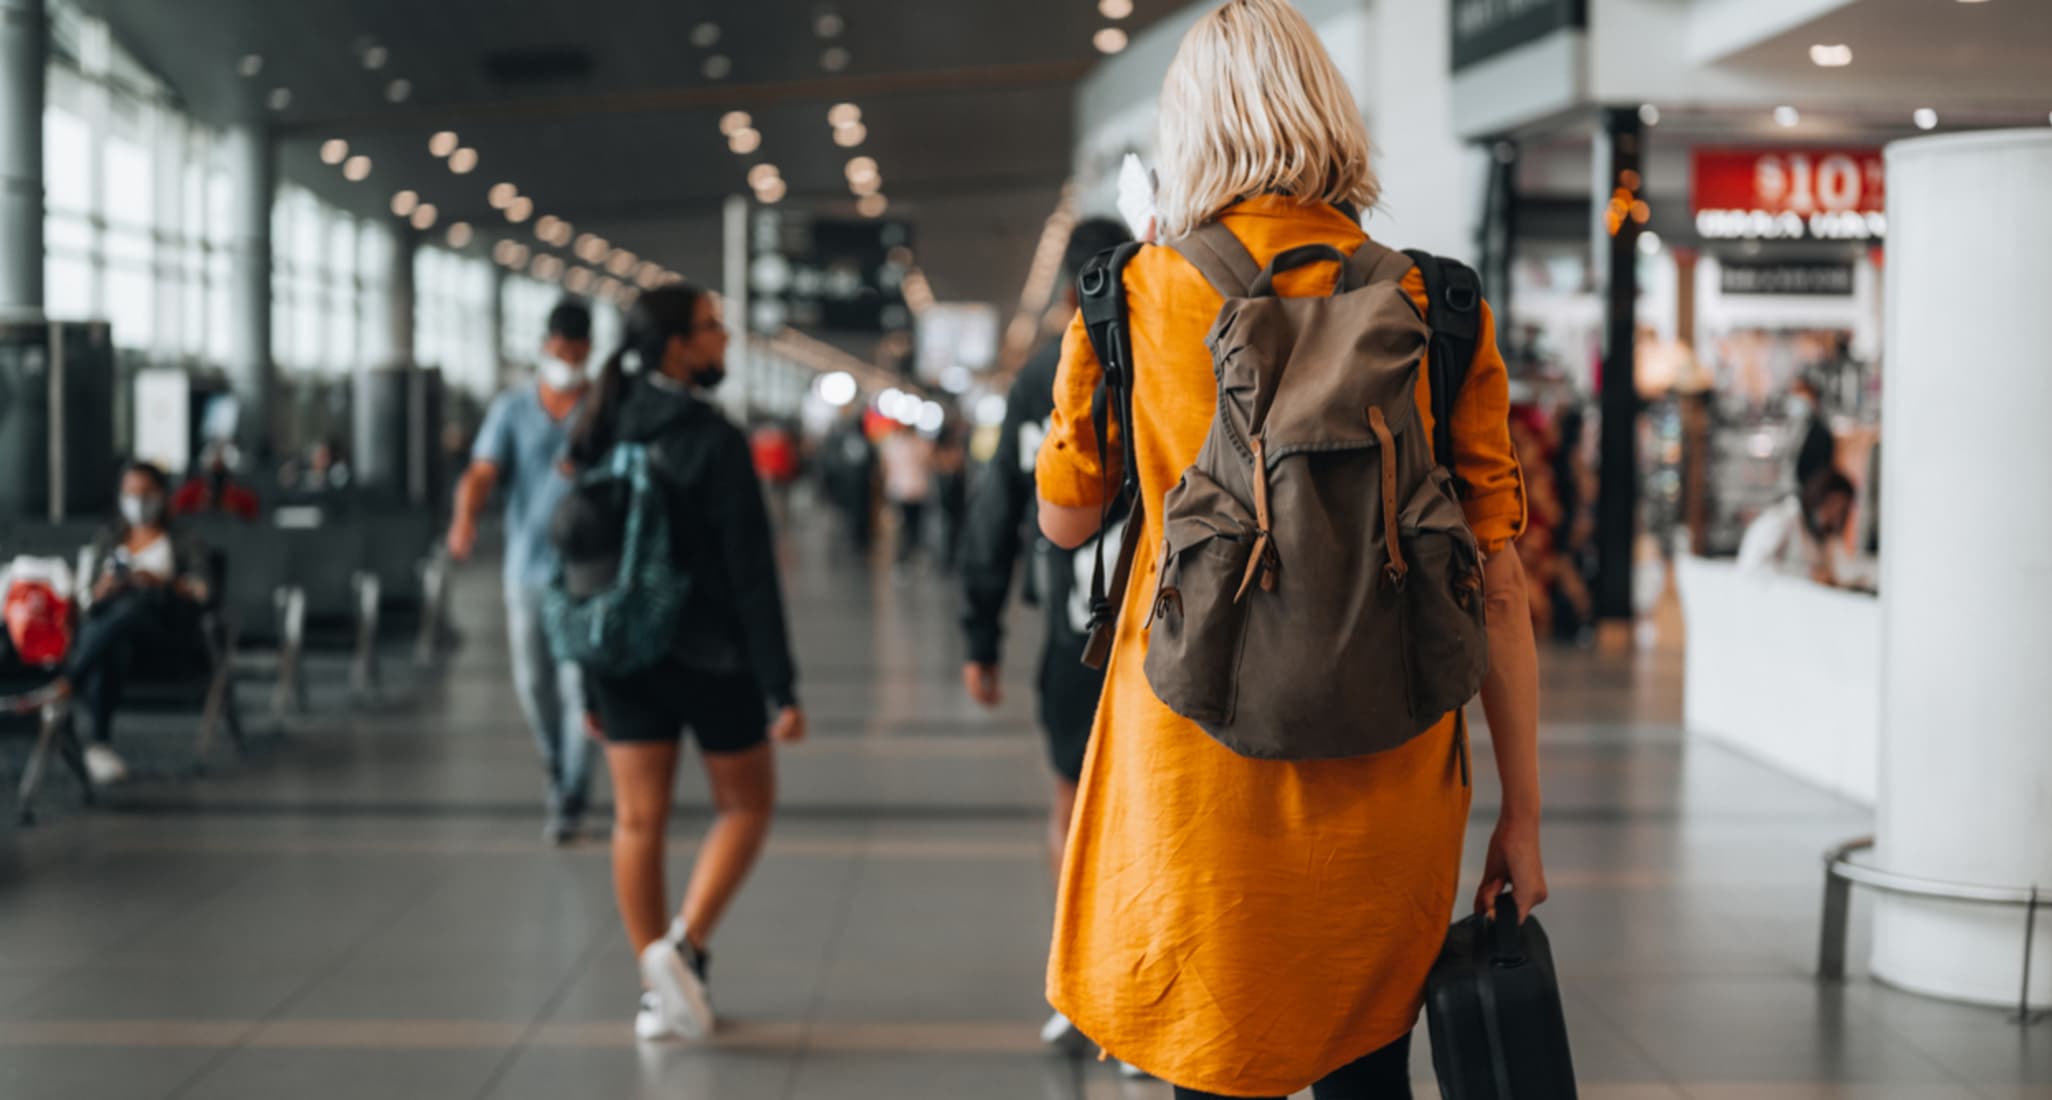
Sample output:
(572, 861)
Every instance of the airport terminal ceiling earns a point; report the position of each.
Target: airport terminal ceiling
(608, 113)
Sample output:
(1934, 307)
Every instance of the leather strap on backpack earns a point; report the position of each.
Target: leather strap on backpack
(1453, 311)
(1102, 288)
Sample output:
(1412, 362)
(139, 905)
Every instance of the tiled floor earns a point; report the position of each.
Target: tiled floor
(366, 910)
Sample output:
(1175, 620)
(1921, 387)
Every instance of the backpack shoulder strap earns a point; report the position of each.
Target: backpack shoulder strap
(1372, 263)
(1453, 311)
(1219, 256)
(1102, 287)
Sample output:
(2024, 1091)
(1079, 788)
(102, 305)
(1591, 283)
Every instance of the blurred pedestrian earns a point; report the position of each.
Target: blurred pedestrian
(907, 461)
(1798, 537)
(520, 451)
(731, 652)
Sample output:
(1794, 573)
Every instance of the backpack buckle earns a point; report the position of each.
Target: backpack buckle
(1461, 298)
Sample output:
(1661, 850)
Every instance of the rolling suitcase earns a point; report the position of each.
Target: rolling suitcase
(1493, 1005)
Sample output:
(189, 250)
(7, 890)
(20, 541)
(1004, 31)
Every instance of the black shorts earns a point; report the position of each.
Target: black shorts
(724, 711)
(1069, 691)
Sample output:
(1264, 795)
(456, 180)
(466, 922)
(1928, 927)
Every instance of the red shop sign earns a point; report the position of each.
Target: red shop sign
(1789, 193)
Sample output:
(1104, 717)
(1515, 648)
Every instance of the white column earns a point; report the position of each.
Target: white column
(250, 368)
(738, 390)
(24, 30)
(1966, 761)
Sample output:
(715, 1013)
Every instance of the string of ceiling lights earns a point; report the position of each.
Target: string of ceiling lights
(613, 274)
(844, 120)
(1111, 40)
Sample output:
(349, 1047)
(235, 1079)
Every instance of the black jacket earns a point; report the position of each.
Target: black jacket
(719, 534)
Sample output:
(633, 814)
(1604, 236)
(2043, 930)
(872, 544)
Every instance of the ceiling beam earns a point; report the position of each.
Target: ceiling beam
(678, 100)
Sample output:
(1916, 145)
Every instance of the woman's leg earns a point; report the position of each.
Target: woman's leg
(1383, 1075)
(744, 792)
(1063, 808)
(643, 775)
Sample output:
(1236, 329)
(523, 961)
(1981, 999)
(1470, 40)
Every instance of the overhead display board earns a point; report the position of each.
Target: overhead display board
(1792, 194)
(1806, 278)
(1483, 29)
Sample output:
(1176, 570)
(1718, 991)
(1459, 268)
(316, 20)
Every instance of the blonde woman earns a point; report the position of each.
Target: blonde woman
(1244, 927)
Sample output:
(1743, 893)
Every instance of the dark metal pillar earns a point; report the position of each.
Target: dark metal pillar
(1618, 183)
(1500, 232)
(24, 46)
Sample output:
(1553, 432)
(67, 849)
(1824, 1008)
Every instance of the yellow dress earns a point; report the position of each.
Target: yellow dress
(1233, 925)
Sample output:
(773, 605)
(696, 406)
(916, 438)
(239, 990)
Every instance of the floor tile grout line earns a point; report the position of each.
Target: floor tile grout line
(829, 951)
(378, 927)
(585, 960)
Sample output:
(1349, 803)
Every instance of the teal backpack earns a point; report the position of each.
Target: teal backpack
(616, 599)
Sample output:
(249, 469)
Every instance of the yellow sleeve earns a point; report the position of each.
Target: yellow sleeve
(1069, 471)
(1483, 458)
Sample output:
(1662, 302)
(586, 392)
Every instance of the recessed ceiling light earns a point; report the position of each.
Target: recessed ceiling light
(843, 114)
(459, 234)
(400, 90)
(443, 143)
(375, 58)
(1787, 116)
(1835, 56)
(1649, 114)
(705, 35)
(592, 248)
(1925, 118)
(745, 141)
(520, 209)
(622, 263)
(867, 185)
(835, 59)
(718, 66)
(861, 166)
(357, 168)
(280, 98)
(502, 195)
(579, 280)
(773, 192)
(424, 216)
(251, 65)
(405, 202)
(762, 174)
(829, 25)
(463, 161)
(873, 206)
(848, 137)
(334, 151)
(1109, 40)
(733, 122)
(1115, 9)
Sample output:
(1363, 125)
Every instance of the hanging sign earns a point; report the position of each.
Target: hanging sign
(1789, 194)
(1484, 28)
(1807, 278)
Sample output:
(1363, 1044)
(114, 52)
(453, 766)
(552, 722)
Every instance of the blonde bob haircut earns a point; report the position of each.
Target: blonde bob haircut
(1254, 105)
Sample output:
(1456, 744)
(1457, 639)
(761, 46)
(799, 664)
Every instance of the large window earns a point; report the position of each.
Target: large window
(452, 319)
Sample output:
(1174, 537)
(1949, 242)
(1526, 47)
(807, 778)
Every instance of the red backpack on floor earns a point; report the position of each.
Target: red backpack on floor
(39, 610)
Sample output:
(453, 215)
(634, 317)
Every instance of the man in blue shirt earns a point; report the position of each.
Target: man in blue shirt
(521, 450)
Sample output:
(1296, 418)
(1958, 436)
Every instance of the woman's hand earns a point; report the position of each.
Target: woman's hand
(1513, 861)
(105, 588)
(981, 681)
(789, 726)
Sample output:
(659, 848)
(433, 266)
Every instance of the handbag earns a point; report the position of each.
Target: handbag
(1492, 1002)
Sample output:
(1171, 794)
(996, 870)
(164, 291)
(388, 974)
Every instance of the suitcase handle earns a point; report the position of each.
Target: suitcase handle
(1507, 948)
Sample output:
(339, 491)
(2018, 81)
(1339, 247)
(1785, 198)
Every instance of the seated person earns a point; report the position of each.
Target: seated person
(151, 588)
(214, 490)
(1798, 537)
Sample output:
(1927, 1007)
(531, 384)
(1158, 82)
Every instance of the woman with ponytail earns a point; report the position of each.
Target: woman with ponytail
(730, 655)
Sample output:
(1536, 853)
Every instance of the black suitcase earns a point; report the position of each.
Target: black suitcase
(1493, 1005)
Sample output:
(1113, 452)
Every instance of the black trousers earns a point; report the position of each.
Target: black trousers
(1382, 1075)
(108, 643)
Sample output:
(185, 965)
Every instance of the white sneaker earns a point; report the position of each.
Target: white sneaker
(648, 1020)
(1059, 1032)
(671, 968)
(103, 765)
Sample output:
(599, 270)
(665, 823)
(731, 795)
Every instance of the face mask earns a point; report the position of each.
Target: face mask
(558, 375)
(1800, 407)
(711, 377)
(142, 511)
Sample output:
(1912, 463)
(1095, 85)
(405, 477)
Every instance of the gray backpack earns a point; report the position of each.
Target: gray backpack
(1319, 592)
